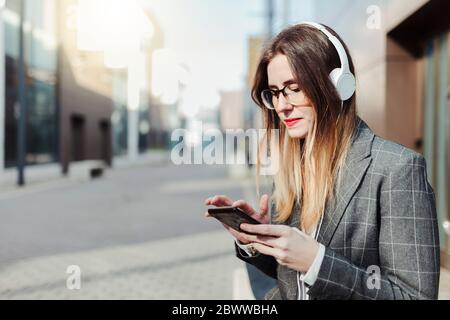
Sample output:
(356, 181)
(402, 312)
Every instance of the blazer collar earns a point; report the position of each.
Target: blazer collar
(355, 167)
(362, 143)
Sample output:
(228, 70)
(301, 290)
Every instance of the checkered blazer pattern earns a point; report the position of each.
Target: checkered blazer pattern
(384, 216)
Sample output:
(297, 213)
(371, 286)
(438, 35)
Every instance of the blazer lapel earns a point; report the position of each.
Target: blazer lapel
(356, 165)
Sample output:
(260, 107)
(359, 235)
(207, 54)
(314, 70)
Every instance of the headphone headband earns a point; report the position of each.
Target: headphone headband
(342, 78)
(335, 41)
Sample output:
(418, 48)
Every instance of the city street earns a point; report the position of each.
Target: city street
(137, 233)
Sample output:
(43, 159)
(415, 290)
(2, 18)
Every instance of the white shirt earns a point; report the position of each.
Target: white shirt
(310, 276)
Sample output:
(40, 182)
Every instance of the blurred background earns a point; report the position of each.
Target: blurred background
(91, 91)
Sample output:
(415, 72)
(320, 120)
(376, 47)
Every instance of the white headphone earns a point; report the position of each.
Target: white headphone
(342, 78)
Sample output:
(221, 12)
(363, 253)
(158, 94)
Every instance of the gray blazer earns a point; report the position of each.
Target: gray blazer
(383, 216)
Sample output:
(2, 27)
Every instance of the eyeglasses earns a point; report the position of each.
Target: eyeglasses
(291, 93)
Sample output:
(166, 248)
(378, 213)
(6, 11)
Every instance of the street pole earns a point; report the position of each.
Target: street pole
(21, 129)
(133, 101)
(270, 17)
(2, 90)
(286, 12)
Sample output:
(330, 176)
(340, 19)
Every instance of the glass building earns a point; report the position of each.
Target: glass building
(437, 128)
(40, 53)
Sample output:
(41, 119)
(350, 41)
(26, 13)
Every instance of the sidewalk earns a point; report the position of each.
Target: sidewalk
(444, 287)
(198, 267)
(154, 157)
(193, 267)
(41, 176)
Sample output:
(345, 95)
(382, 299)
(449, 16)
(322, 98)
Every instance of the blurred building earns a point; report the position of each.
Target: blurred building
(68, 93)
(159, 127)
(84, 95)
(402, 60)
(231, 110)
(152, 129)
(41, 59)
(78, 106)
(252, 116)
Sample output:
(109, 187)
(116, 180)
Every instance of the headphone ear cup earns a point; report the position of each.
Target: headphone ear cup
(335, 75)
(344, 82)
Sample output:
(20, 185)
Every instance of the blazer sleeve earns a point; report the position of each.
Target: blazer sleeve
(408, 244)
(266, 264)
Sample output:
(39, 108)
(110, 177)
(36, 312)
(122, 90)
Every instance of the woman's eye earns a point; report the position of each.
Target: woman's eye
(274, 93)
(295, 89)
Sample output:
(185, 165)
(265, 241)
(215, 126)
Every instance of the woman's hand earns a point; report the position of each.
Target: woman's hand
(261, 216)
(289, 246)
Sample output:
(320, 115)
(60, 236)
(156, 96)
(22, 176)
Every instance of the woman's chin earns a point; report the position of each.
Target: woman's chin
(298, 132)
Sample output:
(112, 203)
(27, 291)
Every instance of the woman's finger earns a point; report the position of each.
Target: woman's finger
(236, 234)
(245, 206)
(264, 204)
(220, 201)
(264, 209)
(267, 240)
(266, 229)
(248, 209)
(266, 250)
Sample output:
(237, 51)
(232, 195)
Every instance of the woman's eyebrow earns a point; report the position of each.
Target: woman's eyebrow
(286, 83)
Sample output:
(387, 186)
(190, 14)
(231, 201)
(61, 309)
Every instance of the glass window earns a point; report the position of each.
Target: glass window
(40, 50)
(437, 124)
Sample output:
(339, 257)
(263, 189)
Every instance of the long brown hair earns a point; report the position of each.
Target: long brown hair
(309, 169)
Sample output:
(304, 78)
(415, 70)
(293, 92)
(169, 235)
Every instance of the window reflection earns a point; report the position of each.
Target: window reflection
(40, 51)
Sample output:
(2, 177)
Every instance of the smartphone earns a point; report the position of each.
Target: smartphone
(232, 217)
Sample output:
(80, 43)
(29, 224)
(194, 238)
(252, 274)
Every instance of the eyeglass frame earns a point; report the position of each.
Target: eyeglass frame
(276, 93)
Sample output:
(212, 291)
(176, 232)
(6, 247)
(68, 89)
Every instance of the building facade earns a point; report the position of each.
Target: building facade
(41, 60)
(68, 96)
(85, 97)
(77, 106)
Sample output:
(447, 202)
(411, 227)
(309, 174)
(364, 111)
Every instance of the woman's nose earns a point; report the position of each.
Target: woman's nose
(283, 104)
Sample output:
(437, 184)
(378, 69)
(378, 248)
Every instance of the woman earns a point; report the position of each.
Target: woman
(352, 215)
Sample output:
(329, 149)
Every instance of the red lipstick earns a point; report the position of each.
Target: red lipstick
(292, 122)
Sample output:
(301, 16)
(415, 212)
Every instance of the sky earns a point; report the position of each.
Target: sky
(211, 36)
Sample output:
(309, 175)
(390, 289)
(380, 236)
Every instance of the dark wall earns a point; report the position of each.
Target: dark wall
(85, 119)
